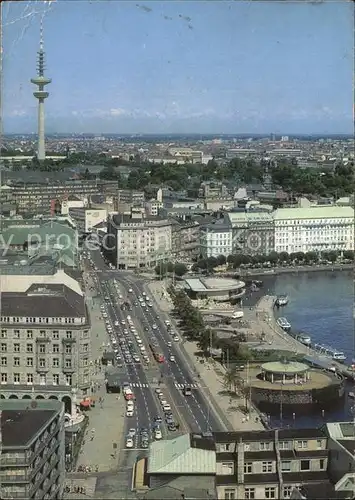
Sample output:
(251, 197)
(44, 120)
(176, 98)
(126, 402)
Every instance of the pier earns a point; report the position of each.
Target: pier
(278, 339)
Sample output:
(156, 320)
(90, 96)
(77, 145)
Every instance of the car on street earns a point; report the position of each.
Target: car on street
(145, 443)
(172, 358)
(176, 338)
(129, 412)
(169, 344)
(158, 434)
(130, 290)
(172, 427)
(166, 407)
(131, 432)
(158, 420)
(129, 443)
(158, 391)
(154, 326)
(163, 402)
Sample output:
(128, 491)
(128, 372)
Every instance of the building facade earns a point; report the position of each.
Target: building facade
(253, 232)
(32, 461)
(136, 240)
(216, 239)
(45, 346)
(211, 190)
(314, 229)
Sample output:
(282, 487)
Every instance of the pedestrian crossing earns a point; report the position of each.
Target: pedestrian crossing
(181, 386)
(178, 386)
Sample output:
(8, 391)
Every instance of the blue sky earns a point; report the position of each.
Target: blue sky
(182, 67)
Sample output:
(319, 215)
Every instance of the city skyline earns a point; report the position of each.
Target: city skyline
(166, 68)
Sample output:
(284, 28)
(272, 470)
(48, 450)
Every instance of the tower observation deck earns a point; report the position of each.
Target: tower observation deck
(41, 94)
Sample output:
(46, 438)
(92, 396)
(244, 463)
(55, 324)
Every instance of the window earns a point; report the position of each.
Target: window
(68, 334)
(229, 494)
(267, 467)
(302, 444)
(319, 444)
(287, 491)
(265, 446)
(55, 379)
(29, 334)
(42, 348)
(16, 334)
(249, 493)
(42, 362)
(4, 334)
(270, 492)
(55, 348)
(321, 463)
(29, 362)
(4, 378)
(68, 380)
(55, 362)
(68, 363)
(16, 378)
(227, 468)
(29, 347)
(305, 465)
(68, 349)
(30, 378)
(3, 361)
(3, 348)
(42, 379)
(248, 467)
(16, 361)
(285, 465)
(284, 445)
(55, 334)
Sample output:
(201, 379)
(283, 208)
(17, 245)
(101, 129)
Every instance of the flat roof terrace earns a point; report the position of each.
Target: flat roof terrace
(20, 427)
(206, 285)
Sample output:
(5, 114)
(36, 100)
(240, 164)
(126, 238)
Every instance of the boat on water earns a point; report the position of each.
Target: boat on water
(284, 324)
(304, 338)
(330, 352)
(281, 300)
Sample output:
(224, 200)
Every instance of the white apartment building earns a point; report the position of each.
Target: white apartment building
(152, 207)
(137, 240)
(315, 229)
(215, 240)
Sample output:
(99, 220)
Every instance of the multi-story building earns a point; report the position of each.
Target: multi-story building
(45, 347)
(32, 449)
(314, 229)
(185, 239)
(253, 465)
(137, 240)
(46, 196)
(130, 197)
(152, 207)
(269, 464)
(216, 239)
(253, 232)
(211, 190)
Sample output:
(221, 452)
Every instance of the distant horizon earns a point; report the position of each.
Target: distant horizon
(240, 135)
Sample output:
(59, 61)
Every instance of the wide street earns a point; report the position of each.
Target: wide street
(193, 413)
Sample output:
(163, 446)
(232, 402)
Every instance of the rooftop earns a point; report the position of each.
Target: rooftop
(23, 420)
(213, 284)
(314, 212)
(187, 454)
(55, 301)
(280, 367)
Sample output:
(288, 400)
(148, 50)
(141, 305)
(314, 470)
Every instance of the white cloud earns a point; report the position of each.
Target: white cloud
(18, 112)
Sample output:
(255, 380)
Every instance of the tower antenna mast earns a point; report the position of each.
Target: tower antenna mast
(41, 94)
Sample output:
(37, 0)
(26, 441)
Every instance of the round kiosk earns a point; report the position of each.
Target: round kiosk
(285, 373)
(295, 386)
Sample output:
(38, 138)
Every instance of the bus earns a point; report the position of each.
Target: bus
(158, 355)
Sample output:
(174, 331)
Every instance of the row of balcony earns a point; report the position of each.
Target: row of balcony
(28, 491)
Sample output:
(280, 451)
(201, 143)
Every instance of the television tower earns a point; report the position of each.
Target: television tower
(40, 80)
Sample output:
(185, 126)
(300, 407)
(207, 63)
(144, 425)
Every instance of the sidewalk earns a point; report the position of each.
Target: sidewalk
(105, 431)
(211, 375)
